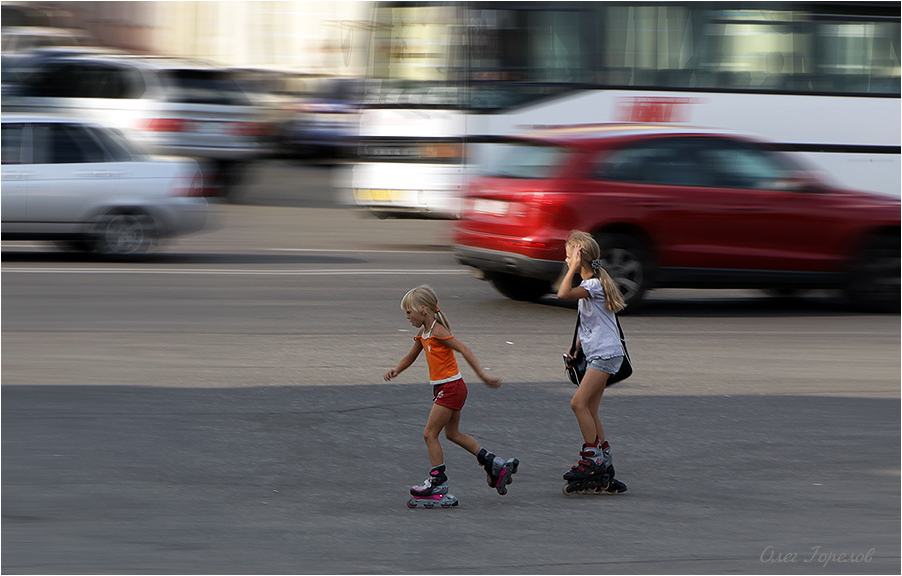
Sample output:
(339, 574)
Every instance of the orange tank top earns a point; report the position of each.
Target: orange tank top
(442, 362)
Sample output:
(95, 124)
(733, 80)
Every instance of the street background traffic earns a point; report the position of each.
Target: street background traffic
(219, 409)
(217, 406)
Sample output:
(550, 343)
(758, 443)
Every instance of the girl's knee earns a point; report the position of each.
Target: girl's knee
(577, 404)
(430, 435)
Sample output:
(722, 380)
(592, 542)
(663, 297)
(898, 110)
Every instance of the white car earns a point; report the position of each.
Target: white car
(166, 105)
(85, 186)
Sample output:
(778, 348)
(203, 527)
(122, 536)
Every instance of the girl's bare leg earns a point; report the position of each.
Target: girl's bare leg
(585, 403)
(439, 417)
(453, 433)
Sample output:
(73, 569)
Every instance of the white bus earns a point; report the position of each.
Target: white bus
(448, 79)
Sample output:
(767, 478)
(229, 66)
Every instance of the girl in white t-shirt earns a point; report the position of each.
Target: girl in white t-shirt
(599, 300)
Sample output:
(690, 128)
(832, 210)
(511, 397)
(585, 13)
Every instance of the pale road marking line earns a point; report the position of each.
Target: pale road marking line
(368, 250)
(199, 271)
(439, 248)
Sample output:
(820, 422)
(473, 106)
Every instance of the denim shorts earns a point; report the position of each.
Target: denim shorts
(607, 365)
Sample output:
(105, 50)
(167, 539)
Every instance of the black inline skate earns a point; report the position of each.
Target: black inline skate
(591, 475)
(499, 472)
(433, 490)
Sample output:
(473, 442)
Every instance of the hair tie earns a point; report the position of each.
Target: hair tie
(437, 309)
(596, 264)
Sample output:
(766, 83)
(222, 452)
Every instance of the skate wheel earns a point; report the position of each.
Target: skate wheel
(447, 504)
(430, 505)
(502, 490)
(411, 503)
(566, 491)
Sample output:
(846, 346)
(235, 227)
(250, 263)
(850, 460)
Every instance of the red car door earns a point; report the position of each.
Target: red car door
(771, 220)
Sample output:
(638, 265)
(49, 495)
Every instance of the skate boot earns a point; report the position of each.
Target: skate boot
(499, 472)
(433, 490)
(435, 484)
(593, 473)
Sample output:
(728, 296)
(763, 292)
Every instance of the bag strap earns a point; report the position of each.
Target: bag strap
(626, 352)
(575, 332)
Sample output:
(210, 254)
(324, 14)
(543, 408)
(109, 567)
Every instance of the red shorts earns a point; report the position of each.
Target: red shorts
(451, 395)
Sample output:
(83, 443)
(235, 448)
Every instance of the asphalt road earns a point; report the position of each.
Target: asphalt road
(219, 409)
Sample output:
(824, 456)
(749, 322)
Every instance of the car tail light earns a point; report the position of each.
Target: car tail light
(547, 202)
(189, 186)
(168, 125)
(249, 129)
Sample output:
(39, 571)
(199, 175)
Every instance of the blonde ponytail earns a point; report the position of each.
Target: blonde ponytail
(613, 299)
(590, 255)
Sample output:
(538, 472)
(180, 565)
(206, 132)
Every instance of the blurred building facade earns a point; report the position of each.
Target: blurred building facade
(311, 36)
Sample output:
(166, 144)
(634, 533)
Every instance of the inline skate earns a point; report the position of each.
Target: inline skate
(499, 472)
(433, 491)
(591, 475)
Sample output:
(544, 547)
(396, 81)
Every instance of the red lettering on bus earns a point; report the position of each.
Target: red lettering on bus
(653, 109)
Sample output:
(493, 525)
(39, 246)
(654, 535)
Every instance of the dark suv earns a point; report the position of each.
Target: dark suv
(675, 207)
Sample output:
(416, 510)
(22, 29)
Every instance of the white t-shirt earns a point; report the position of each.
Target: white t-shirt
(597, 325)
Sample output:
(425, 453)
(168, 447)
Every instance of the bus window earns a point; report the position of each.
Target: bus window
(653, 43)
(757, 49)
(859, 57)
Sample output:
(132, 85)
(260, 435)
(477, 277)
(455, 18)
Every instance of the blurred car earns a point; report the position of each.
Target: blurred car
(674, 207)
(10, 75)
(86, 187)
(169, 106)
(17, 39)
(325, 121)
(275, 91)
(25, 63)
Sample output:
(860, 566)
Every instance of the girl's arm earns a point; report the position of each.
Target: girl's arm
(571, 354)
(405, 362)
(465, 351)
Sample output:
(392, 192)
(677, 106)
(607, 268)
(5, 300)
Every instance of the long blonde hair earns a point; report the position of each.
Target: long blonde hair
(590, 254)
(424, 296)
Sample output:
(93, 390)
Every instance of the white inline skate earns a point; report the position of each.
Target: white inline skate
(433, 491)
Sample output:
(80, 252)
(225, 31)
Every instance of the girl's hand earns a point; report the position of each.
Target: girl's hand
(573, 260)
(491, 381)
(390, 374)
(572, 352)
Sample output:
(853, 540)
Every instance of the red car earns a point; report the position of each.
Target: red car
(674, 207)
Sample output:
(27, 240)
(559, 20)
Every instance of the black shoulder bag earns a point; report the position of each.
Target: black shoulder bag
(576, 368)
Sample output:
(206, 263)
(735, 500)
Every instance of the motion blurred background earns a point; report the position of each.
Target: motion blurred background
(307, 36)
(415, 100)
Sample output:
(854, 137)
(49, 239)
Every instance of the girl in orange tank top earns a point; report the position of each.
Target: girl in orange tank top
(449, 394)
